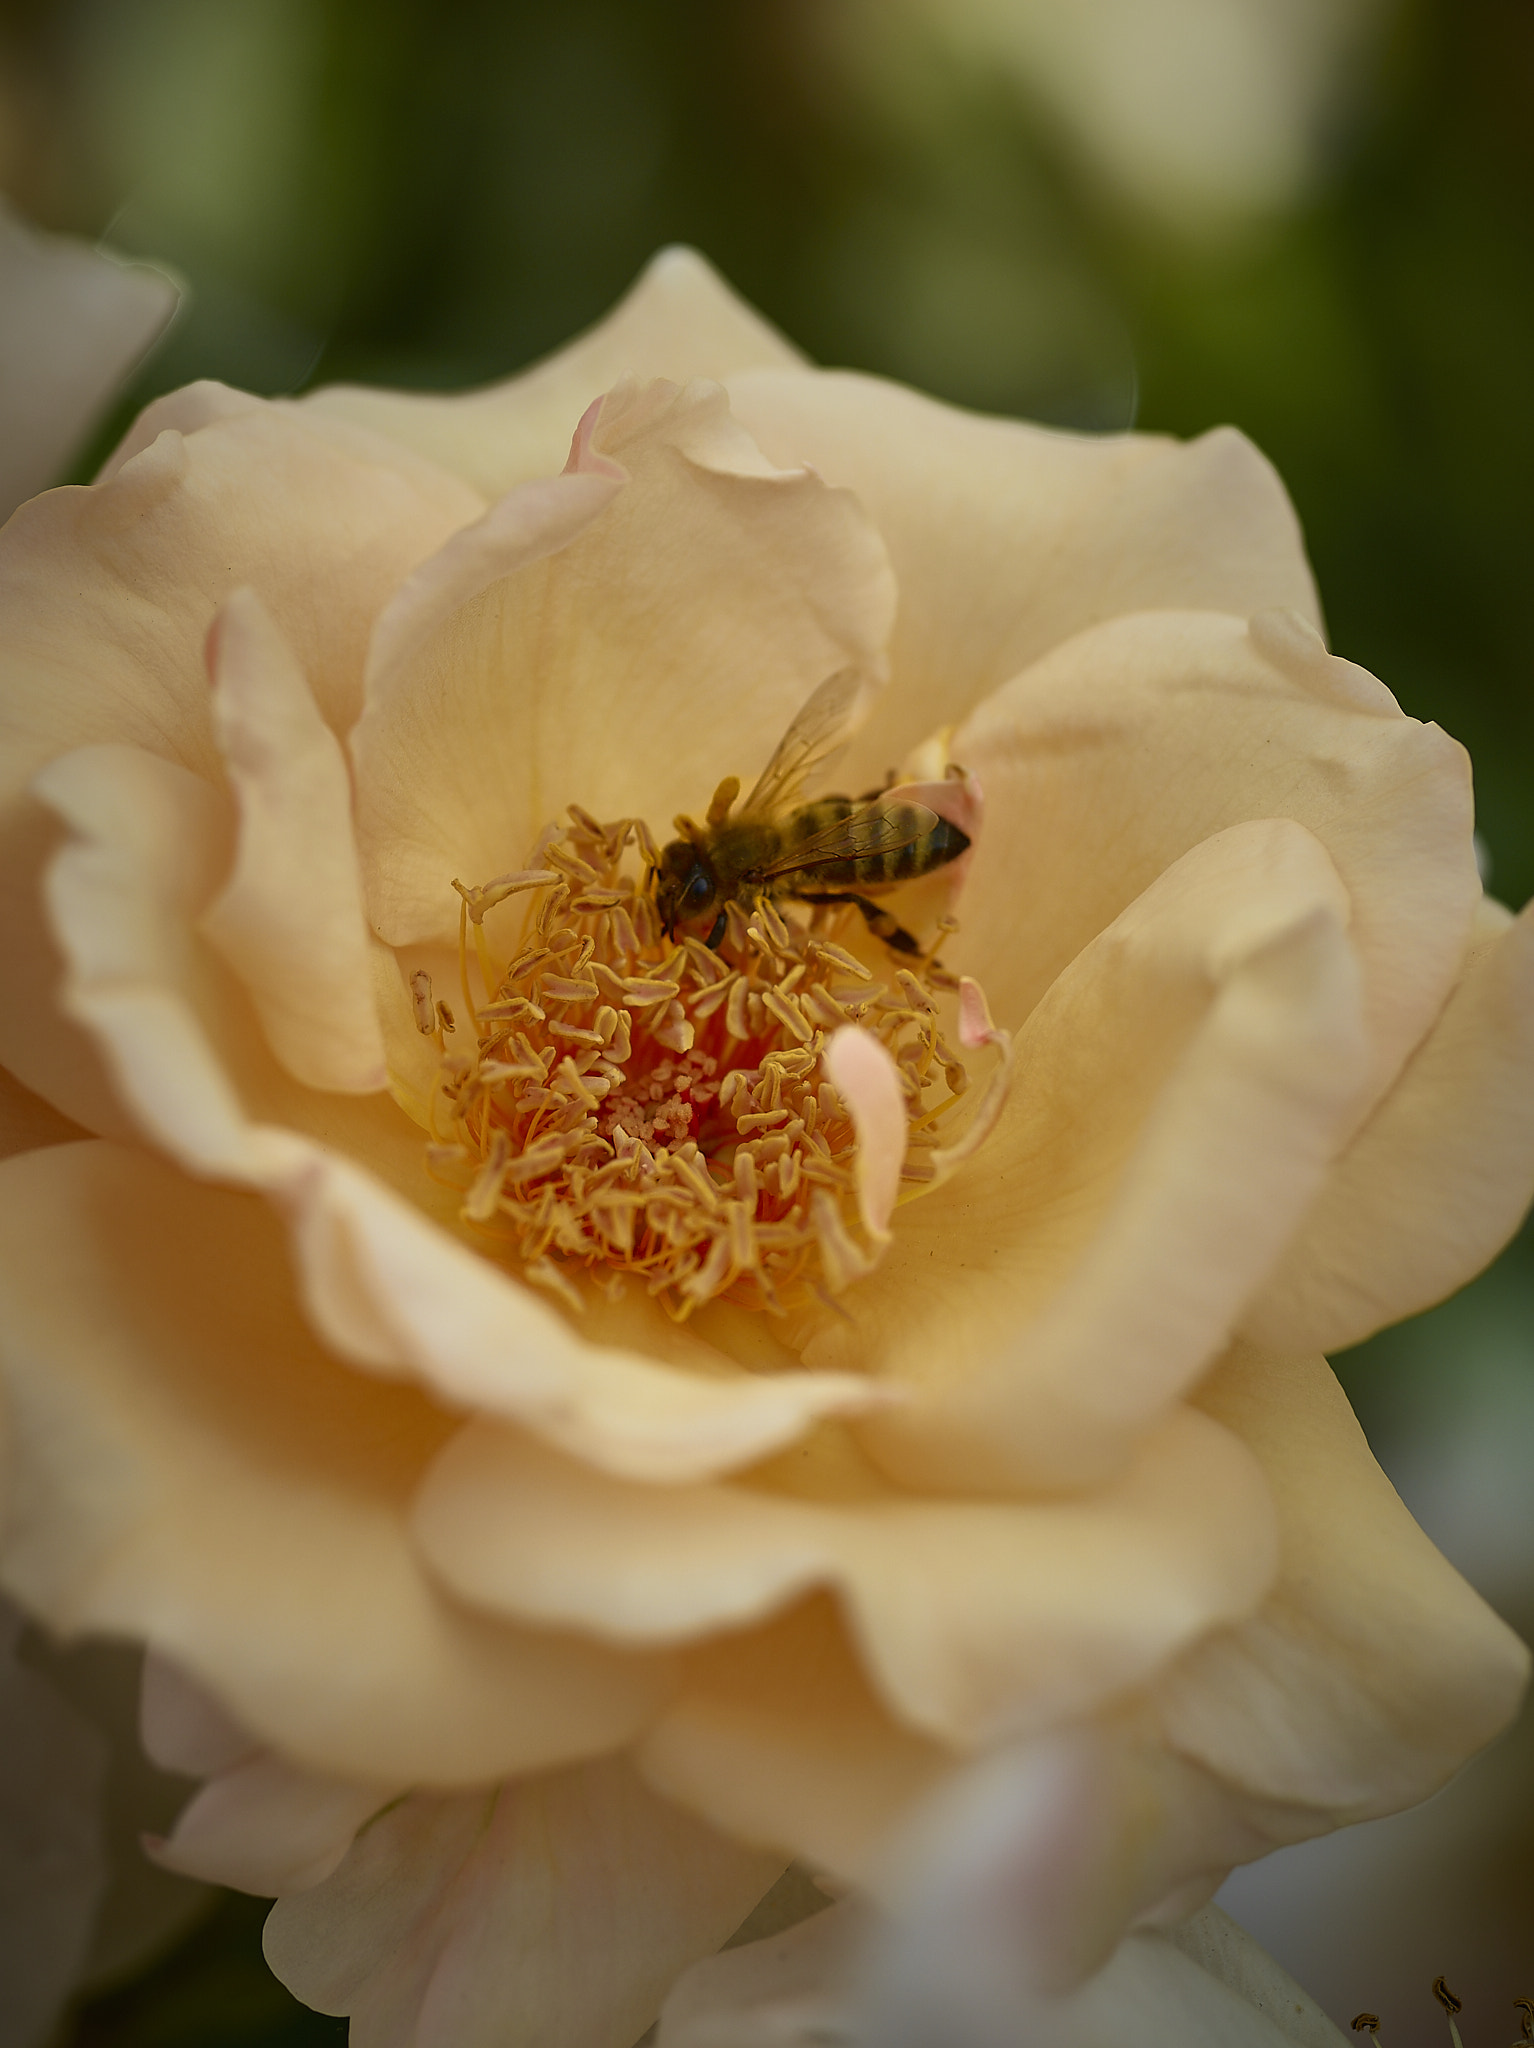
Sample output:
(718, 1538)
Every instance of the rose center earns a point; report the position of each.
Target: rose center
(648, 1110)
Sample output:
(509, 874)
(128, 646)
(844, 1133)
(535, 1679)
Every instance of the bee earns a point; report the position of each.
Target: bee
(833, 849)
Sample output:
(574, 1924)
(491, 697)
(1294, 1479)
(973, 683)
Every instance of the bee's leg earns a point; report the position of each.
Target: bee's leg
(879, 922)
(712, 941)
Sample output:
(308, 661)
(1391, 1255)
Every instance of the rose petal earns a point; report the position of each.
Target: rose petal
(1177, 1099)
(106, 596)
(1106, 761)
(1204, 1984)
(289, 920)
(679, 320)
(1373, 1670)
(1438, 1179)
(1008, 539)
(976, 1621)
(198, 1473)
(264, 1826)
(775, 1737)
(76, 322)
(26, 1121)
(864, 1075)
(791, 1990)
(183, 1728)
(685, 624)
(555, 1911)
(186, 410)
(382, 1283)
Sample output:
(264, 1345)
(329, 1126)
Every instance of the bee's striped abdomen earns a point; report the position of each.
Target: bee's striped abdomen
(930, 843)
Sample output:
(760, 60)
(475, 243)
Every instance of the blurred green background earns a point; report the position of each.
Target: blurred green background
(1313, 218)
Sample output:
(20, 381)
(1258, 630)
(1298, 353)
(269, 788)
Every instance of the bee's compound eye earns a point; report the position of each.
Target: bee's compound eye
(699, 888)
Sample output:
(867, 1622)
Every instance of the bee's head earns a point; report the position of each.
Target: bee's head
(685, 885)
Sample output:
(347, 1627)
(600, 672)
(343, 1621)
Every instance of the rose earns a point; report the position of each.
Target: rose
(701, 1595)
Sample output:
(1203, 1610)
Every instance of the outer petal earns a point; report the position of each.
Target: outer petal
(1438, 1179)
(976, 1620)
(264, 1826)
(383, 1284)
(1205, 1985)
(106, 596)
(556, 1912)
(685, 625)
(1178, 1097)
(186, 1465)
(1106, 761)
(1373, 1670)
(289, 920)
(1008, 539)
(680, 320)
(75, 324)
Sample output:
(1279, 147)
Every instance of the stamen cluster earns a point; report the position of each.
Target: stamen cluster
(644, 1108)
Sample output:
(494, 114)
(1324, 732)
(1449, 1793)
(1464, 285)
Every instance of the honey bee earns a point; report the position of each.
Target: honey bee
(833, 849)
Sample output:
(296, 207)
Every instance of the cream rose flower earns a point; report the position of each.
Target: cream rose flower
(522, 1648)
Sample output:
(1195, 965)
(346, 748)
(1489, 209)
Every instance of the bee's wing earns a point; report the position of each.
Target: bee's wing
(825, 722)
(880, 827)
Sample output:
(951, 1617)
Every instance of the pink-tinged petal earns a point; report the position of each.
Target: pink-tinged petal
(382, 1282)
(184, 1464)
(976, 1620)
(1178, 1098)
(975, 1025)
(1372, 1671)
(1008, 539)
(679, 320)
(183, 1727)
(1107, 760)
(76, 322)
(864, 1075)
(555, 1911)
(264, 1826)
(289, 920)
(1438, 1179)
(683, 615)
